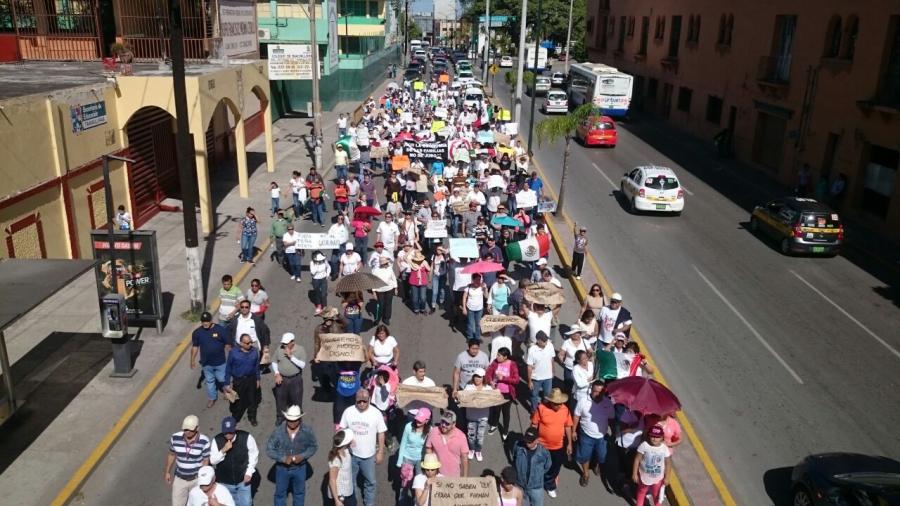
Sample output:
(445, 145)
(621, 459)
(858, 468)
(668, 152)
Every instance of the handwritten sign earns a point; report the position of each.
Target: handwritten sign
(494, 322)
(463, 247)
(341, 348)
(436, 229)
(437, 124)
(426, 150)
(440, 112)
(464, 492)
(419, 85)
(399, 162)
(317, 241)
(433, 396)
(480, 398)
(546, 206)
(526, 199)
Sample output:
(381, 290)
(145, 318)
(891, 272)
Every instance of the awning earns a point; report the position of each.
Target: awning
(361, 30)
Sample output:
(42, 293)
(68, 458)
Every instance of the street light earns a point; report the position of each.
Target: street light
(537, 44)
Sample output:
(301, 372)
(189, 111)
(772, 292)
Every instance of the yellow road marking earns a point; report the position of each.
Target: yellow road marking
(105, 444)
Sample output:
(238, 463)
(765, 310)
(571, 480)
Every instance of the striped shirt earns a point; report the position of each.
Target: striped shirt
(188, 456)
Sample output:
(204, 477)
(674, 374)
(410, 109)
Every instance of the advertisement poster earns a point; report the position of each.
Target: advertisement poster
(290, 62)
(87, 116)
(137, 271)
(333, 36)
(237, 27)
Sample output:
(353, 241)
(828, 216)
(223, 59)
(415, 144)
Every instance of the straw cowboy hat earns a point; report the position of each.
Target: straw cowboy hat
(417, 259)
(431, 461)
(329, 313)
(557, 396)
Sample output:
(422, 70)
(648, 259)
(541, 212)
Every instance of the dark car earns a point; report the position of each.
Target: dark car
(849, 479)
(411, 74)
(800, 225)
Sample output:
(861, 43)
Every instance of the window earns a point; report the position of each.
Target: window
(729, 30)
(612, 26)
(674, 37)
(880, 175)
(723, 29)
(645, 29)
(713, 109)
(889, 89)
(590, 26)
(684, 99)
(652, 89)
(631, 27)
(621, 46)
(850, 39)
(690, 30)
(833, 38)
(693, 36)
(660, 28)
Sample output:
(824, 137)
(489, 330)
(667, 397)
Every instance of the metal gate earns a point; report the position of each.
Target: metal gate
(154, 175)
(53, 29)
(144, 26)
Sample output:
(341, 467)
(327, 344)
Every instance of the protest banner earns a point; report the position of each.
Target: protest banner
(495, 322)
(485, 137)
(479, 398)
(495, 180)
(544, 293)
(341, 348)
(444, 78)
(436, 229)
(406, 117)
(463, 247)
(400, 162)
(433, 396)
(464, 492)
(526, 199)
(380, 151)
(426, 150)
(440, 112)
(317, 241)
(459, 207)
(546, 206)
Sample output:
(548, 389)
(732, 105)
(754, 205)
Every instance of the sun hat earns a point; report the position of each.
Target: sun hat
(383, 261)
(292, 413)
(287, 338)
(329, 313)
(191, 422)
(318, 257)
(430, 462)
(557, 396)
(347, 437)
(616, 296)
(423, 415)
(205, 476)
(541, 261)
(574, 329)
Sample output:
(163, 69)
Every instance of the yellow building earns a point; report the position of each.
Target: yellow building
(58, 120)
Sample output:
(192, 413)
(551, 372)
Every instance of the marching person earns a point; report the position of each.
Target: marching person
(340, 470)
(211, 342)
(367, 424)
(579, 249)
(320, 271)
(450, 446)
(592, 417)
(385, 294)
(235, 455)
(291, 445)
(246, 323)
(532, 462)
(242, 376)
(553, 421)
(208, 492)
(188, 452)
(287, 366)
(290, 241)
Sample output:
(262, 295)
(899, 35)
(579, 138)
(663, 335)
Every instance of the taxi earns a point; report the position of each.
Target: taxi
(597, 131)
(800, 225)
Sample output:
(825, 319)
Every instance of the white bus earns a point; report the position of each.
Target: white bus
(541, 59)
(604, 86)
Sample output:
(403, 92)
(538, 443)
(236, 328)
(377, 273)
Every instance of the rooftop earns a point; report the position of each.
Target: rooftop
(43, 77)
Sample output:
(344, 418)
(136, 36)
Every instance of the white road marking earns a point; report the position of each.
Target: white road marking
(689, 192)
(604, 175)
(747, 323)
(848, 315)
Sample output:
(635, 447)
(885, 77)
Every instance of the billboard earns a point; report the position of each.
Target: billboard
(137, 271)
(237, 28)
(332, 36)
(290, 61)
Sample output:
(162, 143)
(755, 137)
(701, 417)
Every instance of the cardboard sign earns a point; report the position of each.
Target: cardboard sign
(436, 229)
(495, 322)
(480, 398)
(544, 293)
(433, 396)
(317, 241)
(459, 207)
(400, 162)
(526, 199)
(546, 206)
(463, 247)
(444, 78)
(464, 492)
(341, 348)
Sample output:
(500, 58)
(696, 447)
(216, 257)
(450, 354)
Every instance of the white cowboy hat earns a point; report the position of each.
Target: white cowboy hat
(293, 413)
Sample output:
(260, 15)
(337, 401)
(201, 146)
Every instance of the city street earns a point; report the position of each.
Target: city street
(773, 357)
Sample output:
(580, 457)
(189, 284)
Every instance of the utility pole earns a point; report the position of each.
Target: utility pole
(406, 33)
(317, 105)
(569, 37)
(487, 42)
(187, 178)
(537, 45)
(521, 63)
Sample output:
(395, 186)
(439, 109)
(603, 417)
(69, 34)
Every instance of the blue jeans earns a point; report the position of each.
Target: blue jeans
(240, 494)
(361, 245)
(247, 242)
(318, 211)
(276, 204)
(419, 297)
(294, 264)
(320, 291)
(535, 496)
(438, 286)
(214, 376)
(473, 324)
(589, 448)
(291, 479)
(354, 323)
(370, 486)
(539, 389)
(341, 171)
(298, 207)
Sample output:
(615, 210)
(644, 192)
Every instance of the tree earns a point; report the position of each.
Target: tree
(552, 129)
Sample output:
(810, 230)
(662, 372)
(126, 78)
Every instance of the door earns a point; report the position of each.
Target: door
(732, 119)
(667, 100)
(768, 144)
(674, 37)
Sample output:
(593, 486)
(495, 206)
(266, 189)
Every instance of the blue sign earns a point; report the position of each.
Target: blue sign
(87, 116)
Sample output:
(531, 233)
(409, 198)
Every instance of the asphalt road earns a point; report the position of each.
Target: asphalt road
(774, 357)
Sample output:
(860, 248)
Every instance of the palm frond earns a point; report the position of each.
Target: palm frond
(552, 129)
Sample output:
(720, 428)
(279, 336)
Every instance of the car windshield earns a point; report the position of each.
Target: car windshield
(661, 182)
(820, 220)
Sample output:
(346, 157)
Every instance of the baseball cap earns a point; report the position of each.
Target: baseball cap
(542, 261)
(191, 422)
(379, 244)
(478, 372)
(616, 296)
(423, 415)
(657, 431)
(205, 476)
(206, 317)
(229, 424)
(348, 246)
(287, 337)
(541, 336)
(449, 417)
(530, 435)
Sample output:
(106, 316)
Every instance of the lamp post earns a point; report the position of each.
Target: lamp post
(537, 45)
(487, 42)
(569, 37)
(317, 105)
(521, 63)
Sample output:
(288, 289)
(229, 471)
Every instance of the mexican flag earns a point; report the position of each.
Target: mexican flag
(529, 250)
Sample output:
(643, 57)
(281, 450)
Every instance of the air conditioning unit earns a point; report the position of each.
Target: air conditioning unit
(264, 34)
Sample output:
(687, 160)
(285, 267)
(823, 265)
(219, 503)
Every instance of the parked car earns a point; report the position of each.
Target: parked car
(800, 225)
(506, 61)
(597, 131)
(556, 102)
(653, 188)
(540, 86)
(558, 79)
(848, 479)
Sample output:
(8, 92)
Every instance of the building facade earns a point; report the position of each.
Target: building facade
(793, 83)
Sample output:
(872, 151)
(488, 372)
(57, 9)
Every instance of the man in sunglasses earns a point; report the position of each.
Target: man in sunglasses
(450, 445)
(367, 424)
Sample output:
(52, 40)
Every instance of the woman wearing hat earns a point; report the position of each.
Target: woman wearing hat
(412, 444)
(320, 271)
(340, 470)
(385, 295)
(575, 341)
(352, 307)
(422, 483)
(419, 271)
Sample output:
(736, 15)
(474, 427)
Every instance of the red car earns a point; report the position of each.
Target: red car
(597, 131)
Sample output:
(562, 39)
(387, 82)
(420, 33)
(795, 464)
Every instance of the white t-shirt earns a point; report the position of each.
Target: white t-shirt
(653, 463)
(571, 348)
(275, 192)
(352, 187)
(366, 425)
(595, 416)
(500, 341)
(538, 322)
(339, 232)
(475, 299)
(384, 351)
(419, 483)
(388, 233)
(412, 380)
(350, 263)
(344, 464)
(197, 497)
(607, 320)
(297, 184)
(541, 359)
(475, 414)
(290, 241)
(582, 377)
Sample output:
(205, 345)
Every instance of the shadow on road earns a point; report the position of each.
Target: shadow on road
(777, 483)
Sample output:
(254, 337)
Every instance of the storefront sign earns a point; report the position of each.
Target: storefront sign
(237, 25)
(290, 62)
(137, 271)
(87, 116)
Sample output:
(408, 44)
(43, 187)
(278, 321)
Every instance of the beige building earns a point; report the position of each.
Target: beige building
(795, 83)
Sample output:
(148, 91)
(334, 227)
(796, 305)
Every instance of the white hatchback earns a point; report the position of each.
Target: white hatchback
(506, 61)
(653, 188)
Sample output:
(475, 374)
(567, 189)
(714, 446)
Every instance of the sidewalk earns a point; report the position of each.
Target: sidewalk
(68, 412)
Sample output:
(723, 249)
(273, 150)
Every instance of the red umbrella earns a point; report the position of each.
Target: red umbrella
(482, 266)
(643, 394)
(366, 212)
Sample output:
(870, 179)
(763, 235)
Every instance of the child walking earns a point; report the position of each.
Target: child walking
(477, 417)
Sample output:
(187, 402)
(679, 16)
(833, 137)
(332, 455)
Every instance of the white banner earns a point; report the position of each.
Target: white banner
(237, 27)
(436, 229)
(332, 36)
(290, 62)
(318, 241)
(526, 199)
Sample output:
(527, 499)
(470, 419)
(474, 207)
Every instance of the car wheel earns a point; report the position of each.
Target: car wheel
(754, 224)
(802, 497)
(786, 246)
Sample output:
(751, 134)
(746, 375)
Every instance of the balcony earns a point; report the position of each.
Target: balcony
(774, 70)
(670, 63)
(887, 100)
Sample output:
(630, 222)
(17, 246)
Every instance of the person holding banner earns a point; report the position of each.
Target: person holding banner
(477, 418)
(422, 484)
